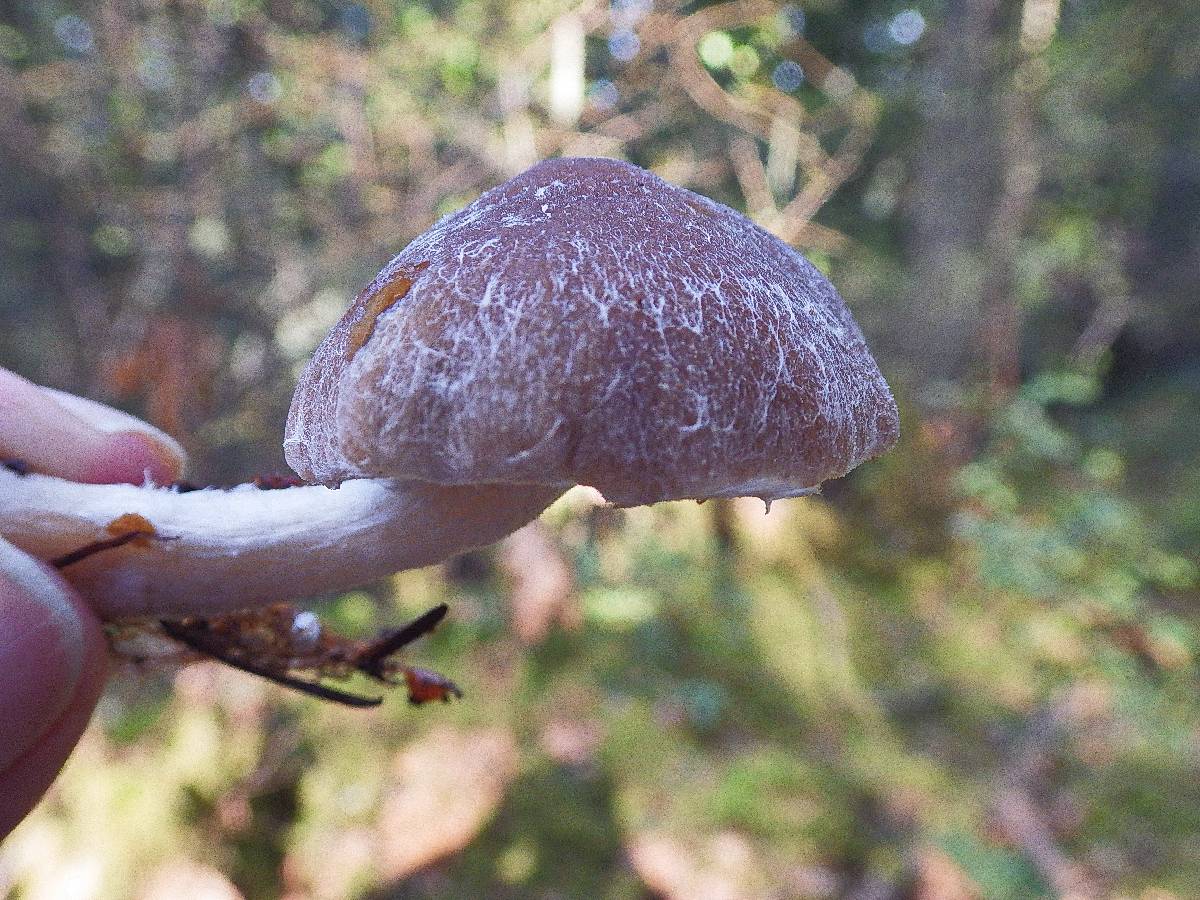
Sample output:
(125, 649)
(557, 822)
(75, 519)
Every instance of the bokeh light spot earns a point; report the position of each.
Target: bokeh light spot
(209, 236)
(624, 45)
(906, 27)
(630, 11)
(715, 49)
(264, 87)
(745, 62)
(156, 71)
(13, 45)
(604, 94)
(792, 21)
(355, 21)
(74, 33)
(788, 76)
(113, 240)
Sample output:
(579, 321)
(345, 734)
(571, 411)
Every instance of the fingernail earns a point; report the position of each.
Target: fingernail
(41, 651)
(132, 457)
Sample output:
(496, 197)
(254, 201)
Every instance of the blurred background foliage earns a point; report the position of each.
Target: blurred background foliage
(968, 670)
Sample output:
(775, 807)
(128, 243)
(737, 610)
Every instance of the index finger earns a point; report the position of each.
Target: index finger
(58, 434)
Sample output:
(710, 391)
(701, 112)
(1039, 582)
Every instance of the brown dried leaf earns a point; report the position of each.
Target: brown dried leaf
(723, 866)
(446, 787)
(940, 878)
(543, 589)
(193, 880)
(171, 367)
(571, 742)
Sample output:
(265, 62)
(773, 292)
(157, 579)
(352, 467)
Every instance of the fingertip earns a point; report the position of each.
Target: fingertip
(59, 434)
(128, 450)
(133, 457)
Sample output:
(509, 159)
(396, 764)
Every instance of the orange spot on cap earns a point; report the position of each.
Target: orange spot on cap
(379, 303)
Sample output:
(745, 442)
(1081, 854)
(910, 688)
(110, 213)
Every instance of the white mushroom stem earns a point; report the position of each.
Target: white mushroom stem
(214, 550)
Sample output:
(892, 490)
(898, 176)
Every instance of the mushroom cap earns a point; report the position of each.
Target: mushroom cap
(588, 323)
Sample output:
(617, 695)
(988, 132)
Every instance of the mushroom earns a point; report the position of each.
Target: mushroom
(583, 323)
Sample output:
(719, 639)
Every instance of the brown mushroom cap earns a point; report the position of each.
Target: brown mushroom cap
(588, 323)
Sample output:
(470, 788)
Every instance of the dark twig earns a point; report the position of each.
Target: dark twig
(268, 644)
(195, 634)
(82, 553)
(17, 466)
(371, 660)
(1017, 814)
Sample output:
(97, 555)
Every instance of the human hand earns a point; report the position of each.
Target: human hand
(52, 651)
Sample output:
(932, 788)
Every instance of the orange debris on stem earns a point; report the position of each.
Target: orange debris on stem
(131, 523)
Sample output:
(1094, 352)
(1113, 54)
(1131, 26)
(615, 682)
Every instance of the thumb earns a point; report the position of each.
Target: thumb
(52, 663)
